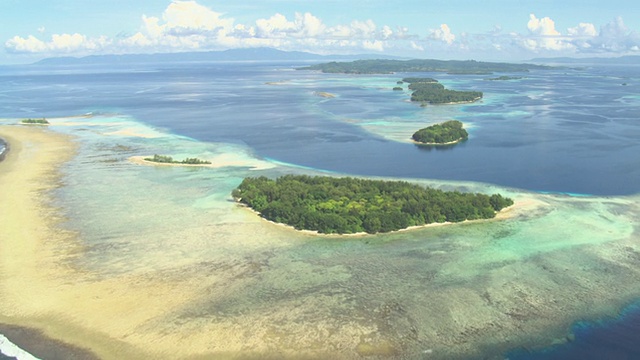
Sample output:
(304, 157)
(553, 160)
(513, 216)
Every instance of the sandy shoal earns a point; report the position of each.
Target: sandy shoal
(40, 288)
(218, 161)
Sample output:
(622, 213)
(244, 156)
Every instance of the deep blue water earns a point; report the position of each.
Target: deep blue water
(566, 130)
(610, 339)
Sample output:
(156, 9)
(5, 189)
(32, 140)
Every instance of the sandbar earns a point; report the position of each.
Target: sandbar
(217, 162)
(42, 293)
(324, 94)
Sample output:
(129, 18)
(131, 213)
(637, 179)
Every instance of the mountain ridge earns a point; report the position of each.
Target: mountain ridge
(247, 54)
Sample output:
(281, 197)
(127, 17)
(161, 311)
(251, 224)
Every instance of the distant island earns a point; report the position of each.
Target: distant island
(163, 159)
(428, 90)
(384, 66)
(446, 133)
(330, 205)
(41, 121)
(504, 78)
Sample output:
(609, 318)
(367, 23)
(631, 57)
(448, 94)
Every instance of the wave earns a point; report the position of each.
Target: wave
(4, 147)
(13, 351)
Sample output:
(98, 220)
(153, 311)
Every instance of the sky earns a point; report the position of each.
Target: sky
(443, 29)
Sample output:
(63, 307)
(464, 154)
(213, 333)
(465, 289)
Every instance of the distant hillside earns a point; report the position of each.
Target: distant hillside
(253, 54)
(630, 59)
(384, 66)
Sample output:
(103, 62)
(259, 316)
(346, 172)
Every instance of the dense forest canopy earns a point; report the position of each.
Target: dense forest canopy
(419, 80)
(505, 78)
(350, 205)
(428, 90)
(421, 65)
(447, 132)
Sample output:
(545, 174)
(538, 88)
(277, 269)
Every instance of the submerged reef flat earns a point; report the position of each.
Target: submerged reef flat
(324, 94)
(162, 264)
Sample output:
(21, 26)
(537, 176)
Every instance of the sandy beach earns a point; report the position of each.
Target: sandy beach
(44, 299)
(18, 242)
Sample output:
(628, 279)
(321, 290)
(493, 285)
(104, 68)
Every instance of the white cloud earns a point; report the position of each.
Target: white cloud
(443, 34)
(544, 36)
(185, 25)
(276, 26)
(615, 29)
(189, 16)
(615, 37)
(375, 45)
(544, 26)
(188, 26)
(59, 43)
(29, 44)
(583, 30)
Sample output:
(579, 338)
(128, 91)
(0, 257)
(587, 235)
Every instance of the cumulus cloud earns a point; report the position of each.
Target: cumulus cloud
(59, 43)
(614, 29)
(615, 36)
(544, 36)
(443, 34)
(417, 47)
(583, 30)
(186, 25)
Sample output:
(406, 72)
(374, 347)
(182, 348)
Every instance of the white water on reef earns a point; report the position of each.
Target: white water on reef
(457, 290)
(10, 349)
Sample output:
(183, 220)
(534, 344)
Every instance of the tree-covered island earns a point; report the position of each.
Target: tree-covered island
(41, 121)
(428, 90)
(163, 159)
(421, 65)
(448, 132)
(504, 78)
(332, 205)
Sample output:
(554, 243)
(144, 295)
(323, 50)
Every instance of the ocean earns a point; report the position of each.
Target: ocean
(567, 130)
(569, 135)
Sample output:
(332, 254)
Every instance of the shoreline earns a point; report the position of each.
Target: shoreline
(35, 343)
(438, 144)
(25, 142)
(504, 214)
(6, 146)
(140, 160)
(424, 103)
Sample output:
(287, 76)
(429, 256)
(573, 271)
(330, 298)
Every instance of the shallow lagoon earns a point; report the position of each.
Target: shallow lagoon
(461, 290)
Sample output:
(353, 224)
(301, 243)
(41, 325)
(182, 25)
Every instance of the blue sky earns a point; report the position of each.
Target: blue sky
(445, 29)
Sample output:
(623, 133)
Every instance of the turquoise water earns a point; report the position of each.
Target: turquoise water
(466, 290)
(172, 221)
